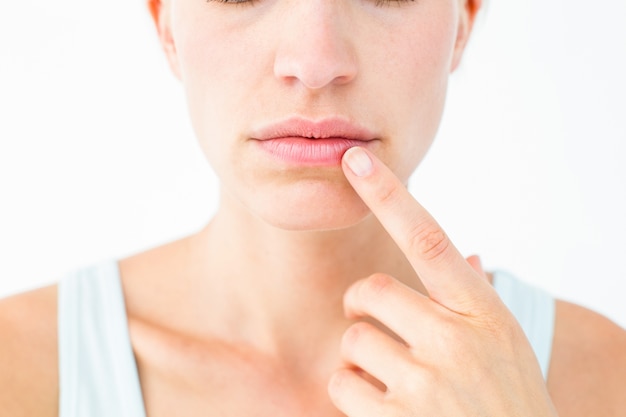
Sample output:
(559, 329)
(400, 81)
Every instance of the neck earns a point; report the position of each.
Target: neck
(282, 289)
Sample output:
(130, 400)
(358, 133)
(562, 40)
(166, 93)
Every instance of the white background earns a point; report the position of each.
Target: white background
(97, 158)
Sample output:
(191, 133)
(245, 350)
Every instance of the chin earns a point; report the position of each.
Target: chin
(327, 220)
(311, 207)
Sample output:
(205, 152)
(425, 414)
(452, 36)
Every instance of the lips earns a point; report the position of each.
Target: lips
(298, 141)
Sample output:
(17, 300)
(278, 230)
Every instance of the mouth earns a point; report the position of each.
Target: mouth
(298, 141)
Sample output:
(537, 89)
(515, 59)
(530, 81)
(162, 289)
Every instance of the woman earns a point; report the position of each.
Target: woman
(320, 287)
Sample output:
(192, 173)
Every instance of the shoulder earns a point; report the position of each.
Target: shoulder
(28, 354)
(588, 367)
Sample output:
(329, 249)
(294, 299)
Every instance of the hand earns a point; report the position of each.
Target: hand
(461, 352)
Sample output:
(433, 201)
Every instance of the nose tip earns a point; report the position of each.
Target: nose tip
(315, 69)
(319, 53)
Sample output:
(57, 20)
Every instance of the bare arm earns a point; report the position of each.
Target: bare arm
(28, 355)
(588, 369)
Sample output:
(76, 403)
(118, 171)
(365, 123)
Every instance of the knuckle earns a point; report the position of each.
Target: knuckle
(428, 240)
(355, 334)
(377, 285)
(337, 383)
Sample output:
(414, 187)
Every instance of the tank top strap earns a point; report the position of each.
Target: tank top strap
(97, 370)
(534, 309)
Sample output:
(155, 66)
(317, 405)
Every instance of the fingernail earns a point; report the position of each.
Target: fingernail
(358, 161)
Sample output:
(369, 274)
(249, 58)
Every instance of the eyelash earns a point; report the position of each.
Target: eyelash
(232, 1)
(251, 2)
(391, 2)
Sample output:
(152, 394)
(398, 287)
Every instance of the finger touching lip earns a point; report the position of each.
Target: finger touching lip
(301, 141)
(447, 276)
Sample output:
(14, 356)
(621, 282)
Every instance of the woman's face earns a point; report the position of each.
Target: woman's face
(371, 70)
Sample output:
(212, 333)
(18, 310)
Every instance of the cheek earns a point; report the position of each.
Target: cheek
(419, 67)
(404, 69)
(215, 65)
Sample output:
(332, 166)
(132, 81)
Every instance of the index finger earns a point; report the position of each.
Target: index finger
(447, 276)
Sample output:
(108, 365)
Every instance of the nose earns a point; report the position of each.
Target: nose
(314, 46)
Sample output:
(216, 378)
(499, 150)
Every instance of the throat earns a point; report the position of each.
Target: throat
(274, 287)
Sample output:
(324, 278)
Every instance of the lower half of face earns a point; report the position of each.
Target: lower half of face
(244, 68)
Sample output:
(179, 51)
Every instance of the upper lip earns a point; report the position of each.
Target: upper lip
(332, 127)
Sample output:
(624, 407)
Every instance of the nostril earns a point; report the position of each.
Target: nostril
(316, 72)
(316, 60)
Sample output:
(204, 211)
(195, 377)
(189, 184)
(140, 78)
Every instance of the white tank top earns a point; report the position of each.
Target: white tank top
(97, 369)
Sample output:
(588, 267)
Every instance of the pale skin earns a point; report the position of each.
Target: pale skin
(354, 303)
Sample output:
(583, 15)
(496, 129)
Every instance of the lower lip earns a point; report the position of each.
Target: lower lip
(315, 152)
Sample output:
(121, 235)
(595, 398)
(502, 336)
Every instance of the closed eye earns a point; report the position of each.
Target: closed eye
(378, 2)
